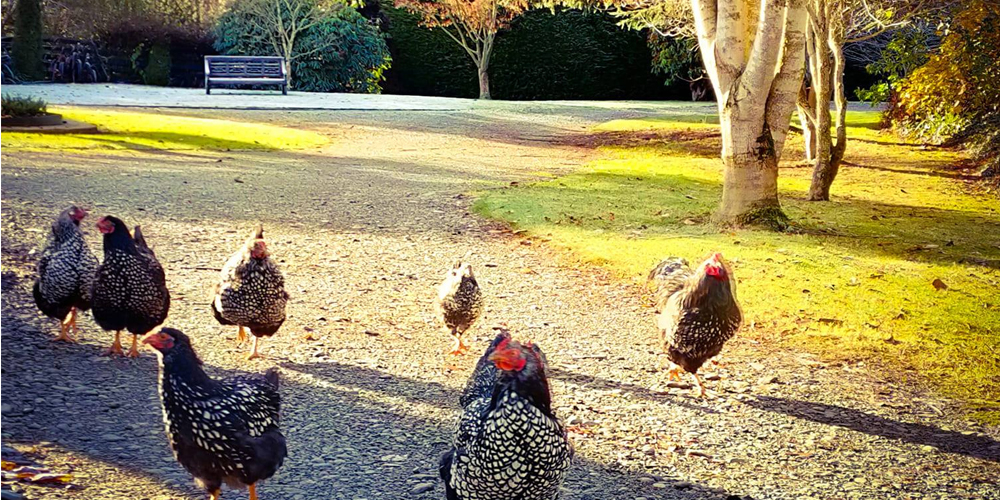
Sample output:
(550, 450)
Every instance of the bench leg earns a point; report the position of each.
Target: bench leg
(284, 89)
(208, 89)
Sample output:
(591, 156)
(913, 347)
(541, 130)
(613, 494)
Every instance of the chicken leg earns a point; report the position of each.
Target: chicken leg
(674, 373)
(133, 352)
(253, 349)
(116, 347)
(69, 322)
(214, 495)
(253, 489)
(701, 387)
(460, 346)
(241, 335)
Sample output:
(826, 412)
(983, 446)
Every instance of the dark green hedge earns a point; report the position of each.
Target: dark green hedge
(566, 55)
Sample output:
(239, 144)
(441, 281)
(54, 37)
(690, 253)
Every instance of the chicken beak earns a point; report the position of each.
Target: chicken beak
(154, 339)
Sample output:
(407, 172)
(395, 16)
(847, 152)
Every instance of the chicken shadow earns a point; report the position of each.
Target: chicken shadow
(975, 446)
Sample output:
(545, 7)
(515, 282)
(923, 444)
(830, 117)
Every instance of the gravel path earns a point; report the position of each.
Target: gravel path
(365, 229)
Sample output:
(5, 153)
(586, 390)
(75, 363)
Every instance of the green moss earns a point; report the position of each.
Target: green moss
(852, 282)
(134, 130)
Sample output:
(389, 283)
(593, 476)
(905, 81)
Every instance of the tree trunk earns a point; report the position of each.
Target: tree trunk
(806, 104)
(484, 82)
(829, 83)
(750, 183)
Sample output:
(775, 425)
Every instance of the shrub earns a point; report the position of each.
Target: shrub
(956, 94)
(150, 50)
(355, 61)
(23, 106)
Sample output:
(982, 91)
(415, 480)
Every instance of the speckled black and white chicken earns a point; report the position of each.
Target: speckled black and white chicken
(130, 289)
(699, 315)
(459, 303)
(667, 277)
(251, 292)
(509, 445)
(221, 431)
(65, 272)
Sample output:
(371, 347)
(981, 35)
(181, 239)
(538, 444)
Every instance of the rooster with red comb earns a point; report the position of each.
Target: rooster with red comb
(509, 444)
(698, 314)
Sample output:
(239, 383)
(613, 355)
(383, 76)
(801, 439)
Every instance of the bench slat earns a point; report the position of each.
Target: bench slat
(244, 69)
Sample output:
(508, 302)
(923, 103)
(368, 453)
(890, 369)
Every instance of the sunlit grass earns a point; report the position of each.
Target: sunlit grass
(142, 130)
(855, 281)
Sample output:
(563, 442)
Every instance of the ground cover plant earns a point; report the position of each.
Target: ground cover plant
(143, 130)
(900, 268)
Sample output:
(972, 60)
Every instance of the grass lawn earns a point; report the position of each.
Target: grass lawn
(852, 282)
(141, 130)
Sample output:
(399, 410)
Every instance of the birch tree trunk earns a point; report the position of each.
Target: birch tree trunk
(826, 63)
(754, 53)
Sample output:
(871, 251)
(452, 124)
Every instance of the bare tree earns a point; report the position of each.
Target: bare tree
(283, 22)
(832, 25)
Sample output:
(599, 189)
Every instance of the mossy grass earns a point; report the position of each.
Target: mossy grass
(146, 130)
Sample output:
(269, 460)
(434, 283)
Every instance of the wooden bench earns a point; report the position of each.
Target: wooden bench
(245, 70)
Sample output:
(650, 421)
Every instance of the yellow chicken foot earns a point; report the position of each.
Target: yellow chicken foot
(116, 347)
(457, 348)
(253, 350)
(701, 387)
(65, 326)
(72, 323)
(674, 373)
(253, 491)
(133, 352)
(214, 495)
(241, 335)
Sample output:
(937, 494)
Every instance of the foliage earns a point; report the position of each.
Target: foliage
(676, 58)
(134, 130)
(574, 55)
(152, 63)
(23, 106)
(472, 24)
(906, 51)
(84, 18)
(854, 281)
(337, 50)
(957, 92)
(27, 46)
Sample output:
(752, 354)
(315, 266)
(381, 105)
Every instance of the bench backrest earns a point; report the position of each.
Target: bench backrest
(245, 66)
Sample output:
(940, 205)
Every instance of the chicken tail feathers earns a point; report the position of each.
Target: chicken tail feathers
(670, 268)
(271, 376)
(218, 316)
(444, 470)
(140, 241)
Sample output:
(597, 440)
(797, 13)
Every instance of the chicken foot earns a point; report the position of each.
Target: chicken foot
(64, 327)
(133, 352)
(116, 347)
(253, 350)
(214, 495)
(253, 489)
(459, 347)
(701, 387)
(241, 335)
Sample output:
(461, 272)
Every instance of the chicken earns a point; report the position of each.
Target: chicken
(698, 317)
(221, 431)
(251, 292)
(509, 445)
(130, 290)
(459, 303)
(65, 273)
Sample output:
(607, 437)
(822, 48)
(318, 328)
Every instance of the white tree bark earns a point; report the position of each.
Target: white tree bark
(754, 53)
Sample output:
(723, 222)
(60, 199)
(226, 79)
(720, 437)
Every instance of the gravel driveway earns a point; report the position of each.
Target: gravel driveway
(365, 228)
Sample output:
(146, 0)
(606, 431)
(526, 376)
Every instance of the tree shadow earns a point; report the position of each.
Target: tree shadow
(981, 447)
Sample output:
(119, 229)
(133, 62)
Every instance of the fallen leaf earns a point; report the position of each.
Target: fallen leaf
(939, 285)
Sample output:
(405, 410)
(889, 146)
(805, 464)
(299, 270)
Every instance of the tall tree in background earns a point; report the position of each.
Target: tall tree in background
(27, 46)
(473, 24)
(832, 24)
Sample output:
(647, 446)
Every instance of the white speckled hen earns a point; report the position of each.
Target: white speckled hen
(699, 317)
(509, 445)
(251, 292)
(221, 431)
(130, 290)
(459, 303)
(65, 272)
